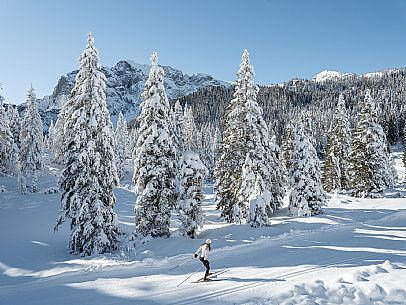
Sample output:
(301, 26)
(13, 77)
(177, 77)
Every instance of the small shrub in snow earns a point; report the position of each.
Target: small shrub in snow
(51, 190)
(259, 210)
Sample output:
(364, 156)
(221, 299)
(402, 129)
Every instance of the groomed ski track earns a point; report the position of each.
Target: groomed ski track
(263, 268)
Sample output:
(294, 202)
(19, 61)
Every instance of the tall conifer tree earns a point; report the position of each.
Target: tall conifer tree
(335, 176)
(15, 123)
(307, 196)
(8, 149)
(192, 138)
(122, 144)
(229, 167)
(192, 174)
(246, 139)
(89, 175)
(32, 142)
(287, 146)
(177, 120)
(371, 167)
(154, 159)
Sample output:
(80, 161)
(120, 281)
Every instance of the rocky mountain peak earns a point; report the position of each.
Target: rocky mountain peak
(125, 83)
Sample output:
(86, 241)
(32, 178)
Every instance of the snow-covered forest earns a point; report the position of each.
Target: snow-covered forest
(300, 187)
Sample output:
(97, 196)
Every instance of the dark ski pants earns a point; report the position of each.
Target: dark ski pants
(207, 265)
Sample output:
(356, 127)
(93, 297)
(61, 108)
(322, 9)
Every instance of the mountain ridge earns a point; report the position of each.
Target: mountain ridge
(126, 79)
(125, 83)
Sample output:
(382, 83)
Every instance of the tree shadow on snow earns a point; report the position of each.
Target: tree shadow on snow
(298, 242)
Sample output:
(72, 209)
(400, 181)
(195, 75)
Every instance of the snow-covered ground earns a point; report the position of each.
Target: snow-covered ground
(354, 253)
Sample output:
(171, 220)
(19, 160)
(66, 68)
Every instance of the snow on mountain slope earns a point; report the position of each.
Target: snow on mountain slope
(354, 253)
(331, 75)
(125, 83)
(327, 75)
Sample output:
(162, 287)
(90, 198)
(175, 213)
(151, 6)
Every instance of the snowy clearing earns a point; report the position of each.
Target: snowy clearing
(354, 253)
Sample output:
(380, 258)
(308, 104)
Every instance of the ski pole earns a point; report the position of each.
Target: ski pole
(188, 277)
(178, 265)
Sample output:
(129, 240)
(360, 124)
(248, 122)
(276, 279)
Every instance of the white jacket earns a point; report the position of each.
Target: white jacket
(204, 251)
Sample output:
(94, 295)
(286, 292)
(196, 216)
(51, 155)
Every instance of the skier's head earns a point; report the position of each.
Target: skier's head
(208, 241)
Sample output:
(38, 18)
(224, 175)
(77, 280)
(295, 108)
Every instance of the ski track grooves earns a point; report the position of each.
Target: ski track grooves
(279, 279)
(291, 274)
(270, 278)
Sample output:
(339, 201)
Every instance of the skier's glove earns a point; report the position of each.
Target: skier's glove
(195, 255)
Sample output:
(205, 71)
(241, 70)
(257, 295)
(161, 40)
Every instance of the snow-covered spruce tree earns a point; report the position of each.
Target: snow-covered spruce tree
(192, 138)
(259, 205)
(270, 177)
(122, 143)
(21, 181)
(89, 173)
(246, 137)
(8, 149)
(278, 174)
(15, 123)
(31, 139)
(404, 145)
(192, 174)
(177, 122)
(47, 140)
(246, 191)
(307, 196)
(335, 175)
(228, 171)
(133, 136)
(56, 136)
(154, 159)
(371, 168)
(258, 198)
(216, 145)
(205, 152)
(287, 146)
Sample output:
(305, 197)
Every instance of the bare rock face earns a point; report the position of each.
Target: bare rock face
(125, 83)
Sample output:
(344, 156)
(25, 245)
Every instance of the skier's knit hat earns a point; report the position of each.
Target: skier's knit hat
(208, 241)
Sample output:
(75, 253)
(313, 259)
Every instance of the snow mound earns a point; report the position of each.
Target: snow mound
(387, 265)
(341, 293)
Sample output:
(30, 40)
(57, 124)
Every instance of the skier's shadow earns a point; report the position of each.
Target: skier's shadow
(251, 280)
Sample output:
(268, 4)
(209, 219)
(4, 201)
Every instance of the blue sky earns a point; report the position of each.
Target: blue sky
(40, 40)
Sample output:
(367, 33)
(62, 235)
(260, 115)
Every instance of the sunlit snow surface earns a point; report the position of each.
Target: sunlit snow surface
(354, 253)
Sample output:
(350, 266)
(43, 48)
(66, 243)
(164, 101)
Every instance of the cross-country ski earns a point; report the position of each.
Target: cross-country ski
(211, 276)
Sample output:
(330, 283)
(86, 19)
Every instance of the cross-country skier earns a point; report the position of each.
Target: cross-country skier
(204, 250)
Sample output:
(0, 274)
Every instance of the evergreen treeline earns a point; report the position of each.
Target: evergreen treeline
(283, 104)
